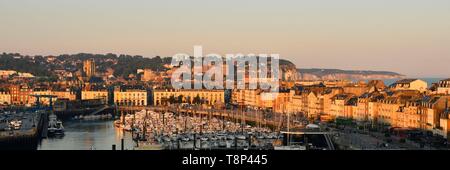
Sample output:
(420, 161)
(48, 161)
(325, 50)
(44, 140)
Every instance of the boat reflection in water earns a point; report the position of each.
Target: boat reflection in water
(88, 135)
(55, 126)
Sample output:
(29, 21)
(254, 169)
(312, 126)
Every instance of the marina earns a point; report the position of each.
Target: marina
(170, 131)
(140, 130)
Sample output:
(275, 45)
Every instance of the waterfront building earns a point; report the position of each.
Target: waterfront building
(95, 94)
(42, 100)
(5, 98)
(6, 73)
(276, 101)
(125, 96)
(67, 94)
(409, 116)
(343, 106)
(296, 104)
(263, 99)
(209, 97)
(314, 100)
(444, 121)
(362, 108)
(21, 94)
(314, 104)
(385, 110)
(433, 107)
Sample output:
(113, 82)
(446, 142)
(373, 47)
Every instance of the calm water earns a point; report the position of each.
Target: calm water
(87, 135)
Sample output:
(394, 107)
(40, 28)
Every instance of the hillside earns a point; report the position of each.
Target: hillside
(123, 65)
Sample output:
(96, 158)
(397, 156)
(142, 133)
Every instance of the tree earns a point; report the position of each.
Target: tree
(172, 99)
(197, 100)
(188, 99)
(180, 99)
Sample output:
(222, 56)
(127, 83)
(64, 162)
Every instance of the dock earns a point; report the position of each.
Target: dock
(28, 135)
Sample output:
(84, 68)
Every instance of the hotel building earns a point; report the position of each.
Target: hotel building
(130, 96)
(210, 97)
(5, 98)
(95, 94)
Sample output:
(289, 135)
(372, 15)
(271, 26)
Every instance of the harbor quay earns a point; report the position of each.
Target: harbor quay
(22, 130)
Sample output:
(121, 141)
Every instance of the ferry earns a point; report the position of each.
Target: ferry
(55, 126)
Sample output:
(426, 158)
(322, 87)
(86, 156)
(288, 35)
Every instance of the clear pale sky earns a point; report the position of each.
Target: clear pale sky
(411, 37)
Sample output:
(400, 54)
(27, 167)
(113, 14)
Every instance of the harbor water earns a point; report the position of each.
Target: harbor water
(88, 135)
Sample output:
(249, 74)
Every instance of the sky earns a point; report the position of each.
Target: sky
(411, 37)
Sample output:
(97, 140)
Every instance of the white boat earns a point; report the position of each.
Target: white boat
(185, 138)
(240, 137)
(204, 138)
(230, 137)
(213, 138)
(260, 136)
(222, 136)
